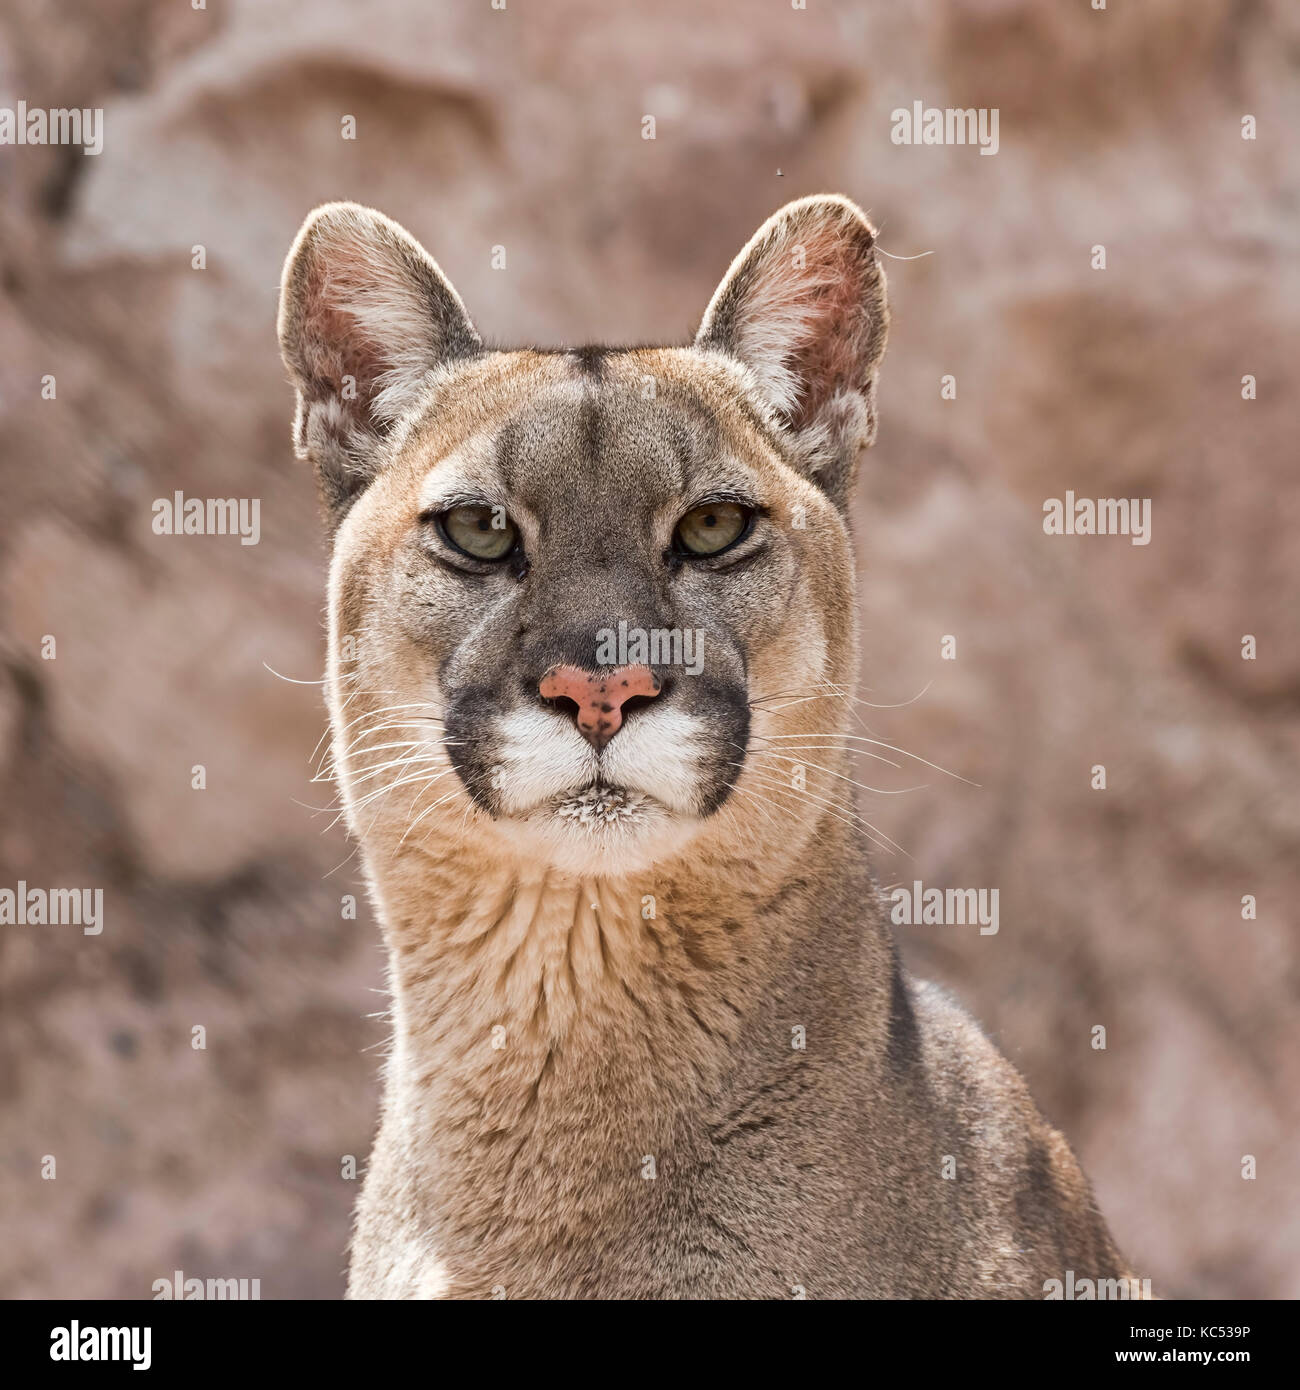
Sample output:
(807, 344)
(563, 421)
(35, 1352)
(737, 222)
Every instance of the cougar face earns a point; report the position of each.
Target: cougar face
(570, 587)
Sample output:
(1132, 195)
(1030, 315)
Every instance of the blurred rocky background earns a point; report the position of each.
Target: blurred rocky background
(521, 127)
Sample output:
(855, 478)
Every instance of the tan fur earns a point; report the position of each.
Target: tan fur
(592, 1090)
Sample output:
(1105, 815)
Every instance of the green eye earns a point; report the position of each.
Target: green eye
(712, 528)
(486, 533)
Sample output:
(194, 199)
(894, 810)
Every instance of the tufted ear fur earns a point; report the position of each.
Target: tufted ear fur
(803, 307)
(365, 316)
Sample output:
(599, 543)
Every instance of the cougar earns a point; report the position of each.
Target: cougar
(591, 665)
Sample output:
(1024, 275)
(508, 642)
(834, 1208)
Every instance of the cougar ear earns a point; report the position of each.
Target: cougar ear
(803, 307)
(365, 315)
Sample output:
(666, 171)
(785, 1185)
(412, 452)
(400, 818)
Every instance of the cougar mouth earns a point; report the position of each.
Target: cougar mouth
(602, 828)
(602, 805)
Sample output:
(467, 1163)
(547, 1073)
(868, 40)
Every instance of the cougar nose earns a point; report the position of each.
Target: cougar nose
(599, 698)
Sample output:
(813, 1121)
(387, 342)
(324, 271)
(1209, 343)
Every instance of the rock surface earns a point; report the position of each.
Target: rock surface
(521, 128)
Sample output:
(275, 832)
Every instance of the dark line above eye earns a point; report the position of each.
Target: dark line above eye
(737, 499)
(453, 503)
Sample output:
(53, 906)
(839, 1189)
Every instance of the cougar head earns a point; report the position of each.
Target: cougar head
(574, 595)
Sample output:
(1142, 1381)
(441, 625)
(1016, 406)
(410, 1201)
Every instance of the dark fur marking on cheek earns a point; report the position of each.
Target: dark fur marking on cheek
(727, 745)
(466, 719)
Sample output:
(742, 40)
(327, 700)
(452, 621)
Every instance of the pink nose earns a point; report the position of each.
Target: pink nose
(599, 697)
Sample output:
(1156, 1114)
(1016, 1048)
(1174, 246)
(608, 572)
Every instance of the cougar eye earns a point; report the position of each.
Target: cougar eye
(485, 533)
(712, 528)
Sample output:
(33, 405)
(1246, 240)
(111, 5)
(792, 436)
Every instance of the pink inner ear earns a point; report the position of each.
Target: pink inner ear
(335, 343)
(807, 329)
(830, 356)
